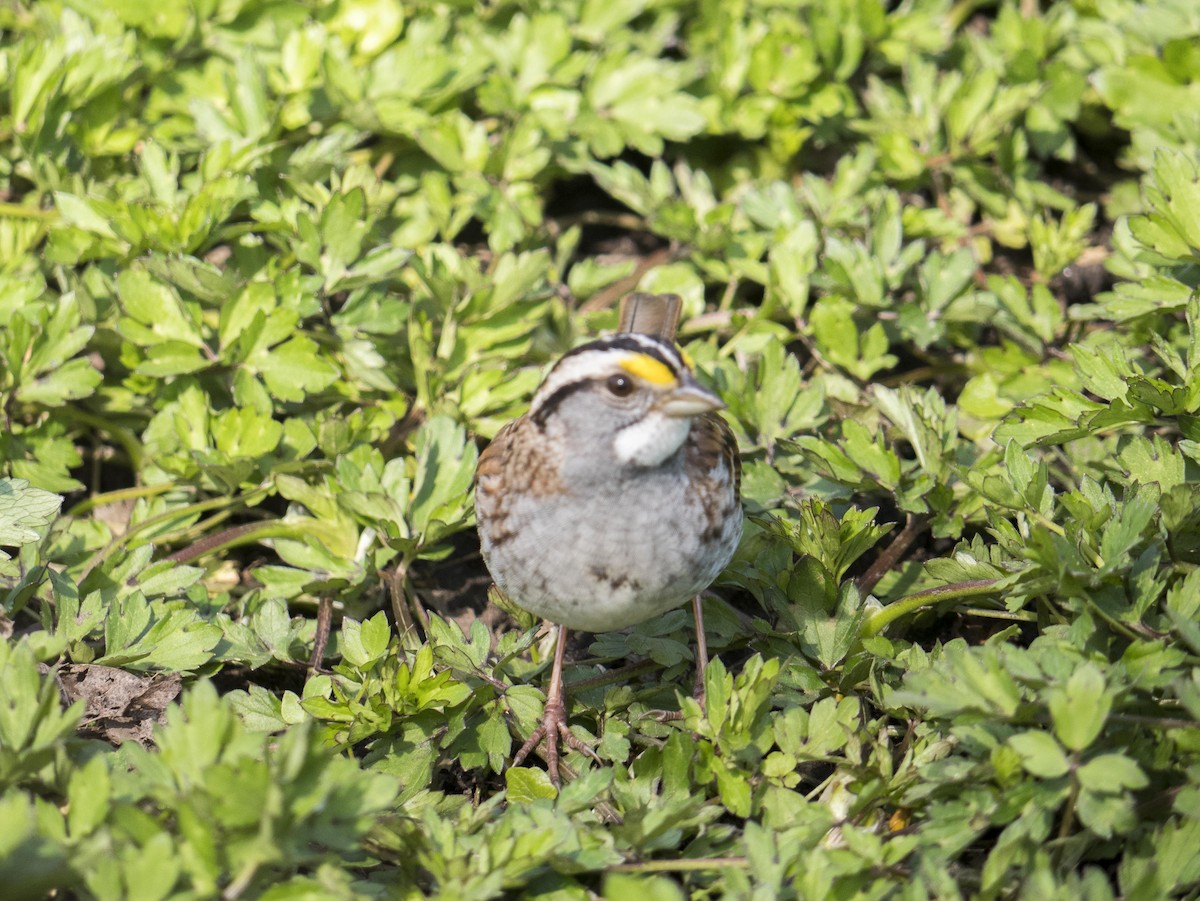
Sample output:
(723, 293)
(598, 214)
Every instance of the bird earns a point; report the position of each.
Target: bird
(615, 498)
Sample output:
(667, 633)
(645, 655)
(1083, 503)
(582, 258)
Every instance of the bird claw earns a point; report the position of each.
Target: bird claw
(671, 716)
(553, 727)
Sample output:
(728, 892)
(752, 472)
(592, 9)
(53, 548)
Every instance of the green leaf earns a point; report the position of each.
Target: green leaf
(89, 794)
(365, 644)
(294, 369)
(1040, 754)
(1172, 228)
(33, 850)
(651, 888)
(258, 709)
(154, 312)
(24, 512)
(1112, 773)
(963, 679)
(73, 380)
(157, 635)
(168, 579)
(375, 634)
(1124, 532)
(524, 785)
(733, 786)
(32, 721)
(1079, 709)
(83, 213)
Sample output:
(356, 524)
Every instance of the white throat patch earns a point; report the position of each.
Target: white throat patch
(652, 439)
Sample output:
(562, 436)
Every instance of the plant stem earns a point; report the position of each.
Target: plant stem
(607, 296)
(684, 865)
(412, 623)
(22, 211)
(880, 620)
(1139, 719)
(1068, 816)
(621, 675)
(321, 640)
(189, 534)
(886, 561)
(1018, 616)
(214, 503)
(241, 882)
(124, 494)
(238, 535)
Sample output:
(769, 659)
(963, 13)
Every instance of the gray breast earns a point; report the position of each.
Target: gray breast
(628, 552)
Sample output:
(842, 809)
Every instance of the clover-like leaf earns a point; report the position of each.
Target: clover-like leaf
(25, 512)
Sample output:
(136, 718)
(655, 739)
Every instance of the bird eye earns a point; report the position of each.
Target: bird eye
(620, 385)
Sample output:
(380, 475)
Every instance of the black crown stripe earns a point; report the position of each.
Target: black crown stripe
(550, 404)
(653, 347)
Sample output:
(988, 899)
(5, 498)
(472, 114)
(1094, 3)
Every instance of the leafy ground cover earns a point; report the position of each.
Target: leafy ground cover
(271, 271)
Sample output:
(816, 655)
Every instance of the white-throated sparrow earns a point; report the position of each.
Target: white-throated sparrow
(615, 498)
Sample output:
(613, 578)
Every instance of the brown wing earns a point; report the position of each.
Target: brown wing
(709, 443)
(513, 465)
(492, 458)
(519, 455)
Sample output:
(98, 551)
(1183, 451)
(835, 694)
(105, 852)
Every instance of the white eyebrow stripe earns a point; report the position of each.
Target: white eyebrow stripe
(603, 357)
(588, 365)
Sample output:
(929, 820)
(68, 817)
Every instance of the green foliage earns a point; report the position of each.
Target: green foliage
(271, 273)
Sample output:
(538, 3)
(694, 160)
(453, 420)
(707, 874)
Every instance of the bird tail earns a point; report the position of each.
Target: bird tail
(650, 314)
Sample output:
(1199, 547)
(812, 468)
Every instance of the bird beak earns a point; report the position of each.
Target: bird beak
(689, 399)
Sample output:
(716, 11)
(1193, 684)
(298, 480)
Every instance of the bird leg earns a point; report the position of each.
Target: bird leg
(701, 651)
(554, 719)
(667, 716)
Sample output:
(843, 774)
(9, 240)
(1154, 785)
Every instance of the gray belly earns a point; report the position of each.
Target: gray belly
(609, 562)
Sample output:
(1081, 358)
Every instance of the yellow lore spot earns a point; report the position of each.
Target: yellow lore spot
(648, 369)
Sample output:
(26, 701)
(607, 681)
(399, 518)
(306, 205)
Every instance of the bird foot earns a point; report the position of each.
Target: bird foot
(670, 716)
(553, 727)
